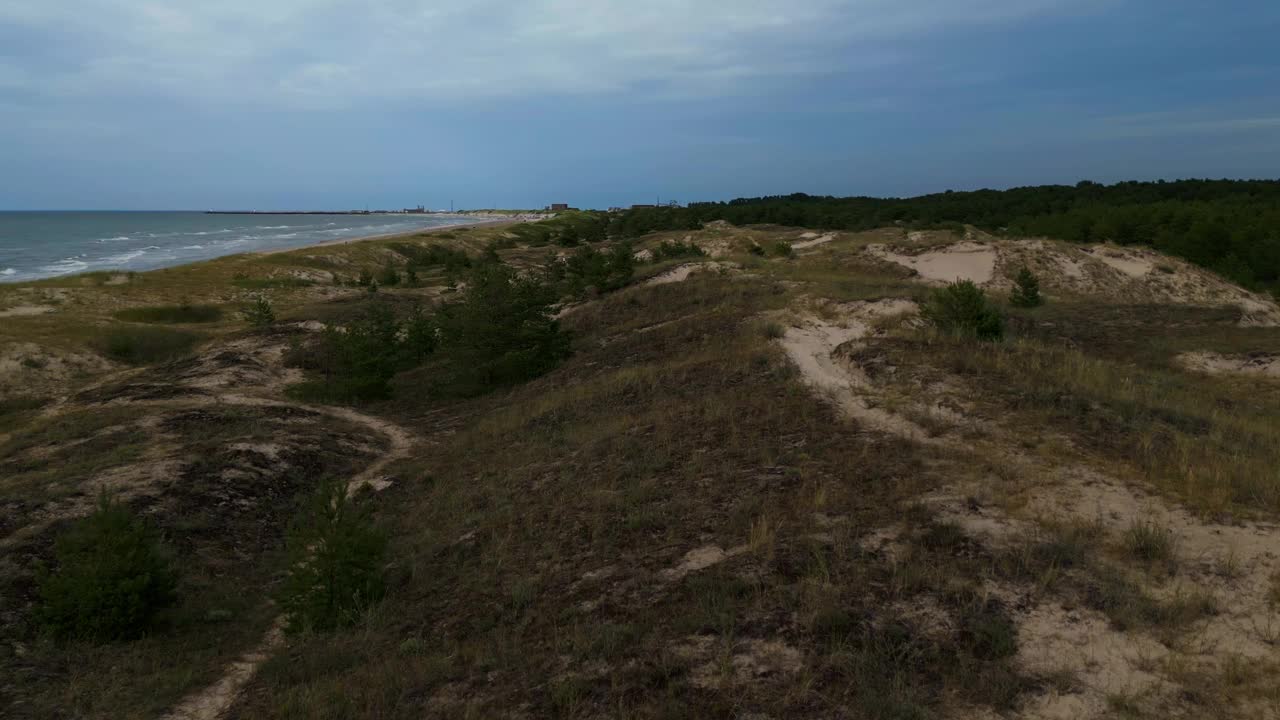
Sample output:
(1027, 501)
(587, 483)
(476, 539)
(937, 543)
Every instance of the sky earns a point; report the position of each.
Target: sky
(332, 104)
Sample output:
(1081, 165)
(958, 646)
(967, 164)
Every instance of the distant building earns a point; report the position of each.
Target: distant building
(558, 207)
(420, 210)
(641, 207)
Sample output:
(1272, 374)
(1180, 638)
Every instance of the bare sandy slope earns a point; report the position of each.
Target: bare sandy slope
(1131, 274)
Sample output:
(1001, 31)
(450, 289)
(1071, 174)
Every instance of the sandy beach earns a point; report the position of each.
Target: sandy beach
(385, 236)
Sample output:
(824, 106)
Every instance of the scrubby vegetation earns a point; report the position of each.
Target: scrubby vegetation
(499, 332)
(1228, 226)
(566, 229)
(357, 361)
(270, 283)
(173, 314)
(110, 579)
(962, 309)
(1026, 291)
(672, 250)
(145, 345)
(259, 313)
(589, 270)
(335, 562)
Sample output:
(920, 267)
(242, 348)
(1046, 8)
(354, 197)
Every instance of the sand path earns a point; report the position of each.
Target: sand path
(213, 701)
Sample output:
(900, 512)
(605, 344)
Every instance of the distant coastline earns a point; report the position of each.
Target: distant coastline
(41, 245)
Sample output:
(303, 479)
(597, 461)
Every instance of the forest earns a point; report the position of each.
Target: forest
(1229, 226)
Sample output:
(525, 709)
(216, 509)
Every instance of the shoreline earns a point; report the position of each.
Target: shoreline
(382, 236)
(487, 221)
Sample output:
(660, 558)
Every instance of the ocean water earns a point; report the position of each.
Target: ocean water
(49, 244)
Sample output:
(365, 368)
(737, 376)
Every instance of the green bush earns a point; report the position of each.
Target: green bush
(671, 250)
(143, 345)
(184, 313)
(1026, 291)
(782, 248)
(259, 313)
(589, 269)
(500, 333)
(335, 563)
(963, 309)
(111, 577)
(431, 255)
(390, 277)
(357, 362)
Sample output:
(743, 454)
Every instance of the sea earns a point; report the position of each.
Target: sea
(39, 244)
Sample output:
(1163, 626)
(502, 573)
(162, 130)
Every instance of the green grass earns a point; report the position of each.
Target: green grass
(172, 314)
(145, 345)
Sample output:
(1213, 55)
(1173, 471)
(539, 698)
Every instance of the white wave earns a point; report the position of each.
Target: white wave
(271, 227)
(124, 257)
(8, 271)
(193, 247)
(63, 267)
(118, 238)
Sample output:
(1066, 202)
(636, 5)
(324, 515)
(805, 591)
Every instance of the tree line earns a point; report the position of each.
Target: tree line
(1229, 226)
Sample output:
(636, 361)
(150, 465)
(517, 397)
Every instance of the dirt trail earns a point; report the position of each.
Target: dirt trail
(812, 342)
(247, 373)
(213, 701)
(1236, 565)
(216, 699)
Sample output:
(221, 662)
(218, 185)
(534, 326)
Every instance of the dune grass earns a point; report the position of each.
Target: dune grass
(172, 314)
(145, 345)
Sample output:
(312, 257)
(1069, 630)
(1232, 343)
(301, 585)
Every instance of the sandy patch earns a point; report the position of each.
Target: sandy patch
(1129, 263)
(813, 242)
(26, 310)
(811, 343)
(701, 559)
(682, 272)
(1104, 661)
(961, 261)
(1263, 364)
(719, 665)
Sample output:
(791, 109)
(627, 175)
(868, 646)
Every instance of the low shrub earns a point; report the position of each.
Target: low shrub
(672, 250)
(111, 577)
(184, 313)
(452, 259)
(145, 345)
(963, 309)
(1026, 291)
(782, 249)
(589, 269)
(390, 277)
(501, 332)
(358, 361)
(335, 563)
(259, 313)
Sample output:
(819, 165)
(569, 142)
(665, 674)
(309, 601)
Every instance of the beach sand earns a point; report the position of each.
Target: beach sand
(385, 236)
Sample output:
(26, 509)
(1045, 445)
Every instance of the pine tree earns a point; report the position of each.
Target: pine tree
(1026, 294)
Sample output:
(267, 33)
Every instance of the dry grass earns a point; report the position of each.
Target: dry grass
(1212, 443)
(670, 525)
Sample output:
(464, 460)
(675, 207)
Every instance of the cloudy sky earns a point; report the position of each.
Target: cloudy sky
(341, 103)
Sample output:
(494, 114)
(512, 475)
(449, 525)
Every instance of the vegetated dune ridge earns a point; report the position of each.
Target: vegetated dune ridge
(761, 487)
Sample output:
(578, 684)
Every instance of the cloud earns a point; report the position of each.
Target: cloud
(339, 52)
